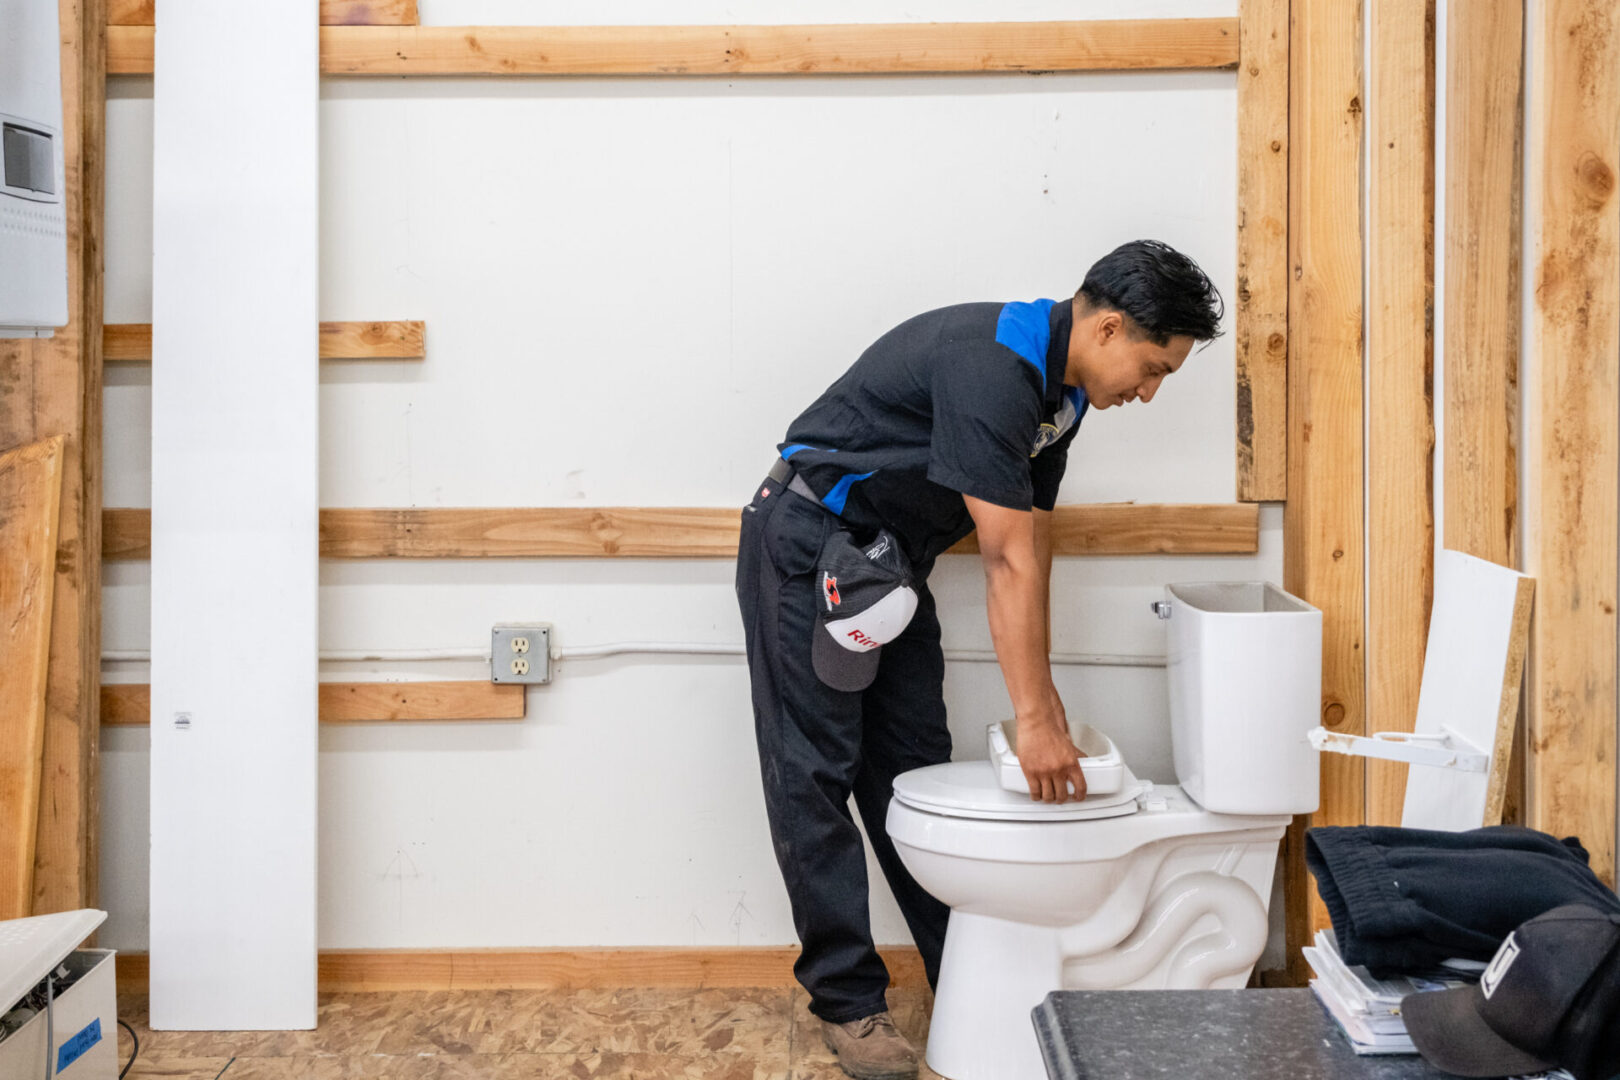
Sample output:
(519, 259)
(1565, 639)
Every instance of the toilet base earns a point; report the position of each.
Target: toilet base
(1200, 929)
(969, 1036)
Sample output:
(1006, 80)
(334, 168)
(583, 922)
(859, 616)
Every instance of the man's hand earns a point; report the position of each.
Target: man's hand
(1051, 762)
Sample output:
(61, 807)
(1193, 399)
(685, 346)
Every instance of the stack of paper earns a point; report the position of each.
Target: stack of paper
(1368, 1009)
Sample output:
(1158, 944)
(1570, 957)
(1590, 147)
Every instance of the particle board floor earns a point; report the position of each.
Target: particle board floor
(626, 1034)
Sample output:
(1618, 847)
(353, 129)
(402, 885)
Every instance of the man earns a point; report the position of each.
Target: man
(956, 420)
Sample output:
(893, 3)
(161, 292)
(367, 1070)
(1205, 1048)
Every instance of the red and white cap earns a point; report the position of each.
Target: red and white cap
(865, 601)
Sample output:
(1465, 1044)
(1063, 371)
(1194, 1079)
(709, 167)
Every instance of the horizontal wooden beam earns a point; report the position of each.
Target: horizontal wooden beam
(849, 49)
(697, 532)
(130, 704)
(131, 343)
(349, 971)
(333, 12)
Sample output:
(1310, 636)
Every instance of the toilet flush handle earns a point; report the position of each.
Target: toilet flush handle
(1161, 608)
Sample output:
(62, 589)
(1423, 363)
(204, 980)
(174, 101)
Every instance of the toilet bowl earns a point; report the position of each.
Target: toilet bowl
(1154, 893)
(1145, 887)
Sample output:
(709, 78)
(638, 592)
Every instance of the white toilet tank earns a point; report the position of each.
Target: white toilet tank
(1245, 688)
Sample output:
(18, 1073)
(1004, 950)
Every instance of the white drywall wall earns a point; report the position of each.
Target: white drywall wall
(631, 286)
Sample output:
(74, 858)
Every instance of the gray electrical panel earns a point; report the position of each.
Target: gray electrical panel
(33, 221)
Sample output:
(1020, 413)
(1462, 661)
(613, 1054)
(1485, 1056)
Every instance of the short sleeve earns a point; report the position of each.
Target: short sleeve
(987, 412)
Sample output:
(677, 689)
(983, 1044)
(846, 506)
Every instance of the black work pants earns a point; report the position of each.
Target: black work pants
(818, 746)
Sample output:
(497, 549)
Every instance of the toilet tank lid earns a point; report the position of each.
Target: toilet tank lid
(970, 789)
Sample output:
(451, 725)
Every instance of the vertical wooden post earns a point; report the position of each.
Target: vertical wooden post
(1262, 285)
(1322, 520)
(1574, 532)
(53, 387)
(1400, 362)
(1484, 59)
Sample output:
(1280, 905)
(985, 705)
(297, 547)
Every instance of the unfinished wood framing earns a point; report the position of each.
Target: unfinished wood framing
(1400, 365)
(333, 12)
(131, 343)
(30, 498)
(1262, 283)
(1574, 161)
(130, 704)
(52, 387)
(1322, 519)
(700, 532)
(353, 971)
(1484, 111)
(876, 49)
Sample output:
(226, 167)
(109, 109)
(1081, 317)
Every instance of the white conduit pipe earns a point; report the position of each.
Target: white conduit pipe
(669, 648)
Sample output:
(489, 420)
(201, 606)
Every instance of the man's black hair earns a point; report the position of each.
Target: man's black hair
(1162, 291)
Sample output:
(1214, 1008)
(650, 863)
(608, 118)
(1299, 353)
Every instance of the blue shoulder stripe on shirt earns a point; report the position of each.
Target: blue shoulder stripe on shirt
(1026, 329)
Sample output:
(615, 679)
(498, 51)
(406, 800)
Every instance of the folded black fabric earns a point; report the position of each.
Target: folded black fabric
(1405, 899)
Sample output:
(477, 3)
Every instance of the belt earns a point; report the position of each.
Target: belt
(783, 472)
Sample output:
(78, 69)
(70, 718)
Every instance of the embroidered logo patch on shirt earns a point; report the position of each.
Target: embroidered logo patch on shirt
(1053, 431)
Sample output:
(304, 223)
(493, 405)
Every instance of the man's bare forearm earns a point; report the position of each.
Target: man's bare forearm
(1017, 612)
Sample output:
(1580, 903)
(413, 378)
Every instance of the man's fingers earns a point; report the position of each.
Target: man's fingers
(1078, 778)
(1048, 790)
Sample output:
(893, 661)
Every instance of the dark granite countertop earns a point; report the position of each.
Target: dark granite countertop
(1185, 1034)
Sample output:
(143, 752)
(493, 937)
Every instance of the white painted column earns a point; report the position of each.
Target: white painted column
(234, 527)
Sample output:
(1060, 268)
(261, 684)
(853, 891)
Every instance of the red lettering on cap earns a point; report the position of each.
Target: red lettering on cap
(861, 639)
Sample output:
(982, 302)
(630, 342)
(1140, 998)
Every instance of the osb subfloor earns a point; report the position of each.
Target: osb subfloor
(629, 1034)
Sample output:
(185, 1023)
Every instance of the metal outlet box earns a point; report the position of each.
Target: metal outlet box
(520, 653)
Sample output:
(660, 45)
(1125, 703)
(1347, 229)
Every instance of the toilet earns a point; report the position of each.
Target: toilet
(1146, 886)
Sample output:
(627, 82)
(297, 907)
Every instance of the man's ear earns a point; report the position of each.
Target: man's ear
(1109, 324)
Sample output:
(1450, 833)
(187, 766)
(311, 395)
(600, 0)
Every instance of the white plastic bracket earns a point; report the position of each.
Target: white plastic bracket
(1446, 750)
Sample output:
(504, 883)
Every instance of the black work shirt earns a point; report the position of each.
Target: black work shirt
(965, 400)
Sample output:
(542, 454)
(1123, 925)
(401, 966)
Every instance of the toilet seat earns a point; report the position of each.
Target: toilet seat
(971, 789)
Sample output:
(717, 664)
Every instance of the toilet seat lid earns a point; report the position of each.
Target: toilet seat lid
(967, 789)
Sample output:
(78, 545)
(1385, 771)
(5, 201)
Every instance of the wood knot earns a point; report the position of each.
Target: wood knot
(1355, 105)
(1596, 178)
(1276, 343)
(1276, 146)
(1332, 714)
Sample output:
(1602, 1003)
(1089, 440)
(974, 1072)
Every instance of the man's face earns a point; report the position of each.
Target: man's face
(1116, 365)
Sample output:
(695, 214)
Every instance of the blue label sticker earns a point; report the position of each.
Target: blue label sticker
(74, 1048)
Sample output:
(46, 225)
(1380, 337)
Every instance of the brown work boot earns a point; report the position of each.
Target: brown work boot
(871, 1049)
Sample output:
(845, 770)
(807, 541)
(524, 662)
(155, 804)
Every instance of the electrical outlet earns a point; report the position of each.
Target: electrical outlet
(520, 653)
